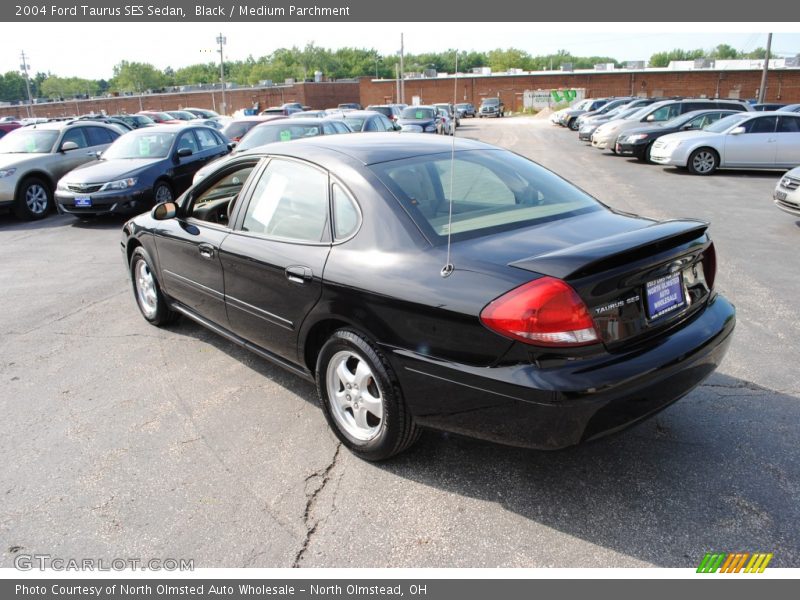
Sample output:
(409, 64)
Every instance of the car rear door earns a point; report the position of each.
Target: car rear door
(275, 255)
(756, 147)
(788, 134)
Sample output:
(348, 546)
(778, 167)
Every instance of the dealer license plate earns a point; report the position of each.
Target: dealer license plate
(83, 201)
(664, 295)
(780, 195)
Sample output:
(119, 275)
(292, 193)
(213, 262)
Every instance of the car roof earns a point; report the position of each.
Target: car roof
(375, 147)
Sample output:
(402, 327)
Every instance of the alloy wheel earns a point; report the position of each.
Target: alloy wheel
(355, 399)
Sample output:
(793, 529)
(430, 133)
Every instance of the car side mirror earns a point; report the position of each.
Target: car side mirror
(164, 211)
(650, 118)
(688, 126)
(184, 152)
(98, 154)
(67, 146)
(232, 145)
(737, 130)
(397, 127)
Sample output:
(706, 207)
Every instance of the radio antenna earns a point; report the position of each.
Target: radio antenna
(448, 267)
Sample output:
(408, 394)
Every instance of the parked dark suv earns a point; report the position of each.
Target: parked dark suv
(491, 107)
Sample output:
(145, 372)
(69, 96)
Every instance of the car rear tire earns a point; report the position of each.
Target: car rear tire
(573, 125)
(147, 291)
(703, 161)
(361, 397)
(34, 199)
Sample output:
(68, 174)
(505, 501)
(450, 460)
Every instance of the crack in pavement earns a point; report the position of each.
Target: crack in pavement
(311, 500)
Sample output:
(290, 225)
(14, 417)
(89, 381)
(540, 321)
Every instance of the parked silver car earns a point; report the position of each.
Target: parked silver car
(787, 193)
(35, 157)
(749, 140)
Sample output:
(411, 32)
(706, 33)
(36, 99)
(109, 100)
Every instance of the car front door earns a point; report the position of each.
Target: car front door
(788, 135)
(71, 159)
(276, 253)
(188, 246)
(755, 147)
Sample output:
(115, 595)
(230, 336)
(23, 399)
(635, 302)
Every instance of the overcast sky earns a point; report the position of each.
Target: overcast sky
(91, 50)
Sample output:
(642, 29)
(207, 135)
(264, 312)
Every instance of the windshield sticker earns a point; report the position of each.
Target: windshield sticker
(286, 135)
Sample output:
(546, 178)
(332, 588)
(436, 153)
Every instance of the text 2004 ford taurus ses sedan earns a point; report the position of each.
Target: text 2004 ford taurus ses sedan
(559, 321)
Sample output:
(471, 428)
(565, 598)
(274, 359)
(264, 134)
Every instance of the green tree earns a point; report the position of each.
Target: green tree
(12, 87)
(137, 77)
(662, 59)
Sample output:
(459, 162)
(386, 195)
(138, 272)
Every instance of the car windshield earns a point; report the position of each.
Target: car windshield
(140, 144)
(355, 123)
(414, 112)
(384, 110)
(625, 113)
(727, 122)
(160, 116)
(490, 101)
(462, 105)
(28, 141)
(641, 112)
(266, 134)
(491, 191)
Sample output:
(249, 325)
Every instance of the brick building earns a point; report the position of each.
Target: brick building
(783, 85)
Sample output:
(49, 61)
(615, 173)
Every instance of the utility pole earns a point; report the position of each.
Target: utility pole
(762, 91)
(402, 74)
(24, 67)
(397, 81)
(221, 40)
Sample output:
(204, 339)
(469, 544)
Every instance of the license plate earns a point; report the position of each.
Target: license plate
(664, 295)
(83, 201)
(780, 195)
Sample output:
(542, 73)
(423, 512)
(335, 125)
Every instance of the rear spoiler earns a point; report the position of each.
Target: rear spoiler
(604, 253)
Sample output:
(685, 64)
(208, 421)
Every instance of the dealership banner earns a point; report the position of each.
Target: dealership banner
(376, 11)
(365, 589)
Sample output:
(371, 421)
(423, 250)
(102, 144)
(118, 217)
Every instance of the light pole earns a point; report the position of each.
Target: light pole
(24, 68)
(762, 91)
(222, 40)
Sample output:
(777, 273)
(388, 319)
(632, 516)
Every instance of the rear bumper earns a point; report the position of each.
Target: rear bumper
(553, 408)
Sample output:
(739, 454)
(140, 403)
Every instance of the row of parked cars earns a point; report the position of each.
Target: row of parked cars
(98, 164)
(699, 135)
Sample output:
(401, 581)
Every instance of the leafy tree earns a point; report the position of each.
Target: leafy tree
(137, 77)
(12, 87)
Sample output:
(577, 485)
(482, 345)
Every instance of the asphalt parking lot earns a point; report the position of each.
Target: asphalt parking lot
(124, 440)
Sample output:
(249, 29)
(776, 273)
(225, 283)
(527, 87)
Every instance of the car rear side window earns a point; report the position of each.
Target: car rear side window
(345, 213)
(290, 201)
(99, 135)
(789, 125)
(489, 190)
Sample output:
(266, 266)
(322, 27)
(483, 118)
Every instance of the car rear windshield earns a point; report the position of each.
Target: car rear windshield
(237, 129)
(266, 134)
(141, 144)
(414, 112)
(28, 141)
(490, 191)
(384, 110)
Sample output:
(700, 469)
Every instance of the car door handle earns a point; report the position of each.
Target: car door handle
(299, 274)
(206, 250)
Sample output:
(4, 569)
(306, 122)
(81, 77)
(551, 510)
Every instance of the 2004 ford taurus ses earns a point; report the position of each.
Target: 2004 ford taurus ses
(465, 289)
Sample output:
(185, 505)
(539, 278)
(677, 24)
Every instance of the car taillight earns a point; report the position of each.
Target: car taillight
(710, 265)
(546, 312)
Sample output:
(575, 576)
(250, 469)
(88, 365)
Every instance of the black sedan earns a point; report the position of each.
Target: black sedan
(420, 284)
(421, 119)
(638, 142)
(143, 167)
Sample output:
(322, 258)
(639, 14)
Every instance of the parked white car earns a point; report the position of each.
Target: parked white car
(751, 140)
(787, 193)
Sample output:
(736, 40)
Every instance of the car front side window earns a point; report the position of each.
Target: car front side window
(290, 201)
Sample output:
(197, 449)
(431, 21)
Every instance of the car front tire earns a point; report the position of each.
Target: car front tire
(34, 199)
(703, 161)
(147, 290)
(361, 397)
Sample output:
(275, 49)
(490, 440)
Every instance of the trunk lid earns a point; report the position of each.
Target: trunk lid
(636, 282)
